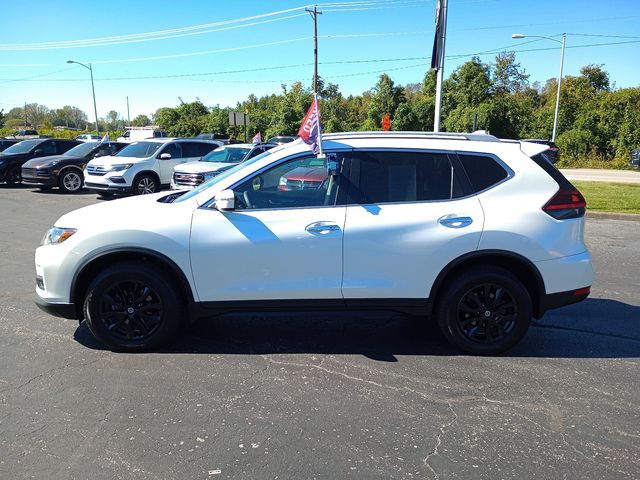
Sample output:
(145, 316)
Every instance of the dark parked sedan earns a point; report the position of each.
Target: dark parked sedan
(635, 158)
(65, 171)
(6, 143)
(12, 158)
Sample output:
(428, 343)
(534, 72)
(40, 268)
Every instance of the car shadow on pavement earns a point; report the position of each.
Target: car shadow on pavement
(596, 328)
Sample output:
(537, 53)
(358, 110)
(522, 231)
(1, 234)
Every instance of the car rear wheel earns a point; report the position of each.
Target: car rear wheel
(132, 307)
(484, 310)
(145, 184)
(70, 181)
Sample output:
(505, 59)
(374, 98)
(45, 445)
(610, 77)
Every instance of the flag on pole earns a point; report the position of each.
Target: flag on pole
(105, 139)
(436, 54)
(257, 138)
(310, 129)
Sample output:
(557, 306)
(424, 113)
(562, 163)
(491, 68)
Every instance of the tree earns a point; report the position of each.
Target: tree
(386, 98)
(141, 121)
(597, 78)
(507, 76)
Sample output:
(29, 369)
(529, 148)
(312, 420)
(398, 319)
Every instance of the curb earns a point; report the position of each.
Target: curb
(632, 217)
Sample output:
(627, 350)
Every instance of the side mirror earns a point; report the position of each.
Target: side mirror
(165, 156)
(38, 152)
(225, 200)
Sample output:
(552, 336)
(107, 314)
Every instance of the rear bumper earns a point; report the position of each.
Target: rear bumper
(63, 310)
(562, 299)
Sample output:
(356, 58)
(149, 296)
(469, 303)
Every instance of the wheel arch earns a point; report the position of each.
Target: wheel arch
(91, 267)
(151, 173)
(518, 265)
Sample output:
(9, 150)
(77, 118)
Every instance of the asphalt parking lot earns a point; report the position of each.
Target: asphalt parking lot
(364, 395)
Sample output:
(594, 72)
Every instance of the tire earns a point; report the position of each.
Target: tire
(13, 175)
(484, 310)
(70, 180)
(145, 184)
(120, 315)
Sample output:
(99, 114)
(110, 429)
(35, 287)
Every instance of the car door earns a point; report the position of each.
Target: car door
(165, 165)
(408, 219)
(275, 245)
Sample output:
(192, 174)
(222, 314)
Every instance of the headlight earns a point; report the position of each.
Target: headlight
(118, 167)
(57, 235)
(49, 164)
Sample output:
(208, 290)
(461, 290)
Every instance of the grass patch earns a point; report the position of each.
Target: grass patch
(611, 197)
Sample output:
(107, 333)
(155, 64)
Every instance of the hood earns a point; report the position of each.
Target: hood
(38, 162)
(121, 213)
(202, 167)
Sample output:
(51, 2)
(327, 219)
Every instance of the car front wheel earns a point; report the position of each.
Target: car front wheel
(70, 181)
(484, 310)
(145, 184)
(132, 307)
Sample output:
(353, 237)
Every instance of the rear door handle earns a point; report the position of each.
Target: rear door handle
(322, 228)
(455, 221)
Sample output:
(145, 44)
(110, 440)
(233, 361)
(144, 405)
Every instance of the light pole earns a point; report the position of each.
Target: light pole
(93, 90)
(564, 35)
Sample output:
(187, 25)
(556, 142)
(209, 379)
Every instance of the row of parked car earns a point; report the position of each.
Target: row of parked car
(112, 168)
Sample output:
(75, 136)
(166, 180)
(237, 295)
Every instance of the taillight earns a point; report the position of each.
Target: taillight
(566, 204)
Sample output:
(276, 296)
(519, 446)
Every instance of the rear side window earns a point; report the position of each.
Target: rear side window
(62, 146)
(196, 149)
(483, 171)
(386, 177)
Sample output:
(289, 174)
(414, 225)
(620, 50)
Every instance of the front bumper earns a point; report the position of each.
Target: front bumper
(62, 310)
(40, 179)
(106, 187)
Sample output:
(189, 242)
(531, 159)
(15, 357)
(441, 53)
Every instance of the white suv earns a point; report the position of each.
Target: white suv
(479, 233)
(143, 167)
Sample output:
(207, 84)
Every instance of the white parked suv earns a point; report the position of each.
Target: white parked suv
(143, 167)
(189, 175)
(478, 233)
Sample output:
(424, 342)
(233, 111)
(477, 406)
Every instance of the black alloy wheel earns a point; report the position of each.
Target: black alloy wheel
(133, 307)
(70, 181)
(145, 184)
(484, 310)
(13, 175)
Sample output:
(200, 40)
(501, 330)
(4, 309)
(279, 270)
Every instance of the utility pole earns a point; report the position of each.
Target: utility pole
(440, 61)
(314, 14)
(128, 116)
(555, 116)
(25, 114)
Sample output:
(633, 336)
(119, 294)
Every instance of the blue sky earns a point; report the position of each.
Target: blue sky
(358, 40)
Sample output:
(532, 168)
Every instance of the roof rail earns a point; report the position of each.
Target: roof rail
(477, 137)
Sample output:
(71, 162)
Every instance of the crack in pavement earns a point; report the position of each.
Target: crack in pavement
(48, 373)
(443, 429)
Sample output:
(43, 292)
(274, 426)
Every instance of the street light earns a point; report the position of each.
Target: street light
(555, 117)
(95, 110)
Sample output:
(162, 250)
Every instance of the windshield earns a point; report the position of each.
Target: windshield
(81, 150)
(139, 149)
(212, 181)
(226, 155)
(22, 147)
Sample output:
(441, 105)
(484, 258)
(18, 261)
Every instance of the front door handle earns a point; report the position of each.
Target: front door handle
(322, 228)
(455, 221)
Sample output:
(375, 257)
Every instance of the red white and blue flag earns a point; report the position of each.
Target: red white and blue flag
(257, 138)
(310, 129)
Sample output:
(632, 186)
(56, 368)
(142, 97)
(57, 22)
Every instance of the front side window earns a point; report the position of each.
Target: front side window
(398, 176)
(296, 183)
(174, 149)
(48, 148)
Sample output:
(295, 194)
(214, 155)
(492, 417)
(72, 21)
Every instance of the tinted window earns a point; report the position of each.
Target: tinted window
(23, 147)
(49, 148)
(62, 146)
(482, 171)
(383, 177)
(174, 149)
(301, 182)
(81, 150)
(196, 149)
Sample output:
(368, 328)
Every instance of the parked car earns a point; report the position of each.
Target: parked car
(12, 158)
(477, 233)
(24, 134)
(281, 139)
(552, 154)
(88, 137)
(635, 158)
(189, 175)
(65, 171)
(134, 134)
(214, 136)
(143, 167)
(312, 174)
(7, 142)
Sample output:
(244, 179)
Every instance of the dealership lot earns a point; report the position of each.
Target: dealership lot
(367, 395)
